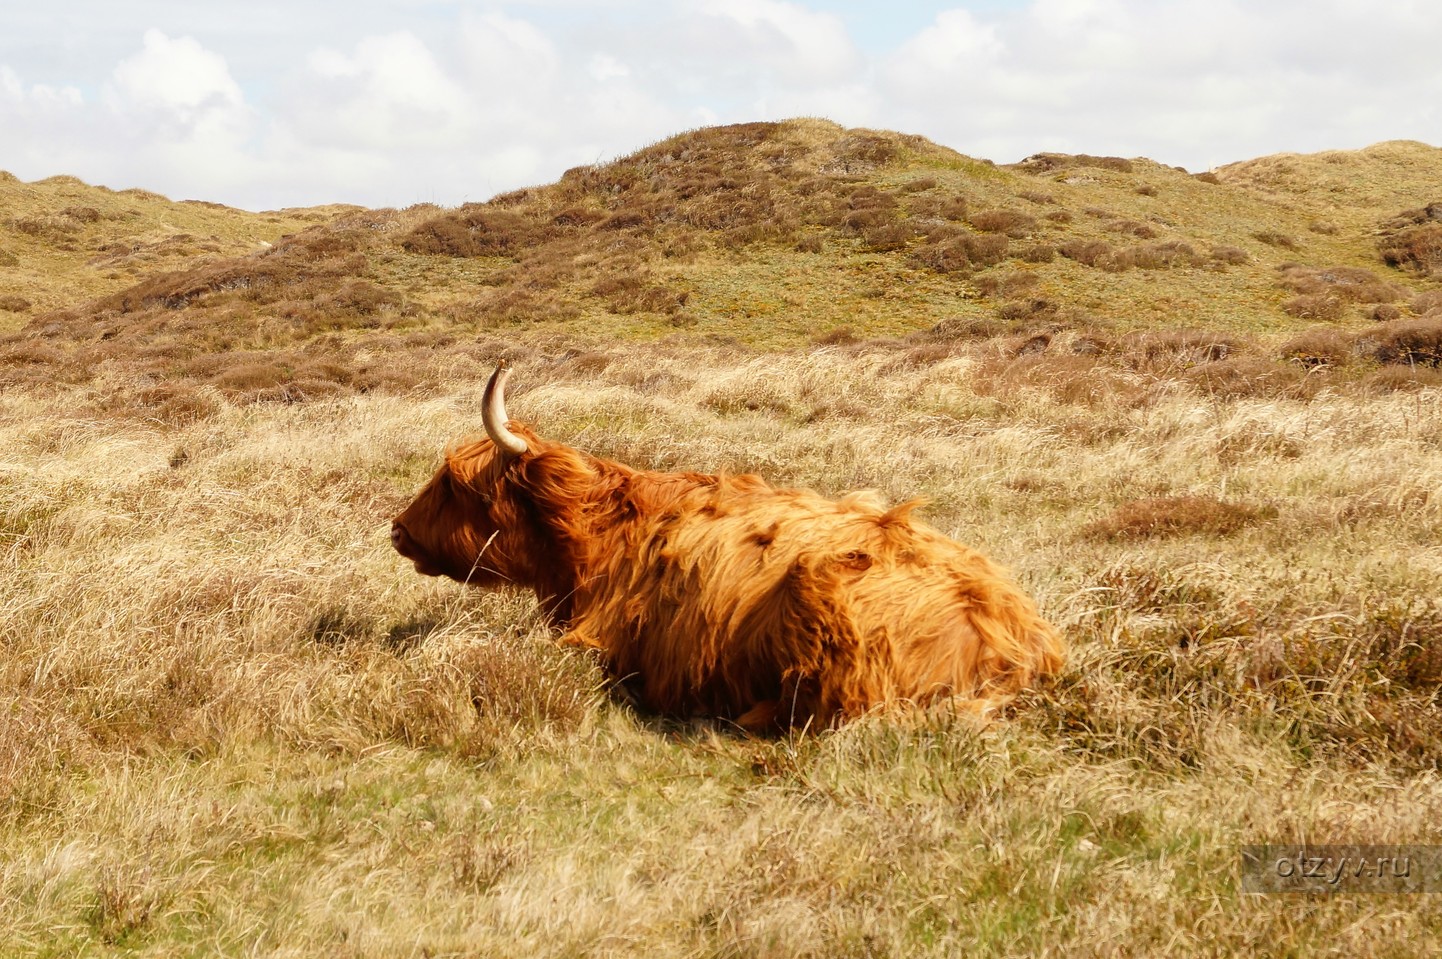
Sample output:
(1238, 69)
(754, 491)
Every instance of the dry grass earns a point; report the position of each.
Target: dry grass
(235, 722)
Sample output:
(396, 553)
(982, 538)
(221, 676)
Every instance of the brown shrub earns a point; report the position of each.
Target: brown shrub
(14, 304)
(961, 253)
(1347, 283)
(252, 377)
(1273, 238)
(1424, 304)
(1173, 516)
(1248, 376)
(859, 152)
(1038, 253)
(1071, 379)
(1391, 379)
(476, 230)
(1088, 252)
(1173, 349)
(1418, 248)
(1007, 284)
(1039, 163)
(1163, 255)
(837, 336)
(81, 214)
(958, 328)
(1028, 313)
(1320, 346)
(1208, 177)
(886, 238)
(1416, 342)
(518, 305)
(636, 293)
(1386, 312)
(1413, 241)
(1229, 255)
(955, 208)
(578, 216)
(27, 352)
(986, 250)
(1013, 223)
(1316, 306)
(362, 297)
(1132, 228)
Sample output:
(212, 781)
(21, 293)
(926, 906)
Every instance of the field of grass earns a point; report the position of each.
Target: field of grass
(234, 722)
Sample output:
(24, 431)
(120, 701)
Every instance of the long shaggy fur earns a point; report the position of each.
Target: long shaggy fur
(723, 596)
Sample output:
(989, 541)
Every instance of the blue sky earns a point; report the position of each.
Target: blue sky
(390, 102)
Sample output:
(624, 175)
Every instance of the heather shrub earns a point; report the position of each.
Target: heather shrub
(1141, 231)
(1088, 252)
(638, 293)
(1175, 349)
(1273, 238)
(1424, 304)
(1320, 346)
(1416, 342)
(1402, 379)
(1348, 284)
(1007, 284)
(1316, 306)
(1241, 377)
(1162, 255)
(1040, 163)
(1418, 249)
(1173, 516)
(1013, 223)
(1229, 255)
(1413, 241)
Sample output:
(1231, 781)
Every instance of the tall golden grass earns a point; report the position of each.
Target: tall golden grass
(235, 723)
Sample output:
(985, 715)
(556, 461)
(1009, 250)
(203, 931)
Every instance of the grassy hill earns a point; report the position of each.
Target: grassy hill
(1197, 414)
(770, 236)
(64, 242)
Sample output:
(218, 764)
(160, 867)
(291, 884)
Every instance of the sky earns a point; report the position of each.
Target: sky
(275, 103)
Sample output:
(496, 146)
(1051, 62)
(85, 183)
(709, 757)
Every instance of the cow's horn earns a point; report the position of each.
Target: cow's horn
(493, 413)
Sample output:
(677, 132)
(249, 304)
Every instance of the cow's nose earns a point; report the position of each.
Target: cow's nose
(398, 538)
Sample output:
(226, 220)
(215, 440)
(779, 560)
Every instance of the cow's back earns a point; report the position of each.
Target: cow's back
(743, 596)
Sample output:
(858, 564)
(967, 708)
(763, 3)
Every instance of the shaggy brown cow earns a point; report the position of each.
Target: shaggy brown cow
(721, 595)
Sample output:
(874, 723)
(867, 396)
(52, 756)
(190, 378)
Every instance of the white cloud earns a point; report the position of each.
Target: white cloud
(603, 68)
(37, 99)
(800, 44)
(389, 92)
(433, 100)
(178, 76)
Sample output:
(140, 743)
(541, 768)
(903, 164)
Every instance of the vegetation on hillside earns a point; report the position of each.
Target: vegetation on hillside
(1198, 415)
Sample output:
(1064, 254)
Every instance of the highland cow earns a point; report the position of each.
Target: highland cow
(721, 595)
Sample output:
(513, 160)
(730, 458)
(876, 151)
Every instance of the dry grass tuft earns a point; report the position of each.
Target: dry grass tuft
(1412, 240)
(1416, 342)
(1173, 516)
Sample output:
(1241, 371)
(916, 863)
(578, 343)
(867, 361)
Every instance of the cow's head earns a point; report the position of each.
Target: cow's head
(468, 522)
